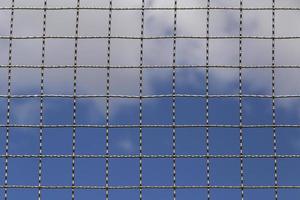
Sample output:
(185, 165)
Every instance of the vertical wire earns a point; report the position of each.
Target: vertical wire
(273, 103)
(207, 101)
(8, 99)
(42, 102)
(174, 99)
(74, 98)
(141, 102)
(240, 100)
(107, 101)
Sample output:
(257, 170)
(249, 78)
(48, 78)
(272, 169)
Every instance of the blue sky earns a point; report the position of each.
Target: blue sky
(155, 141)
(156, 111)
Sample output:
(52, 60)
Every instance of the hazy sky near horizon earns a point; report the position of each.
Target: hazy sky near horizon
(156, 111)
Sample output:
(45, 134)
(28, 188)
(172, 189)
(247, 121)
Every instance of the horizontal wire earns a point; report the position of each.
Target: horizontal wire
(154, 156)
(150, 96)
(147, 37)
(147, 66)
(150, 126)
(149, 8)
(91, 187)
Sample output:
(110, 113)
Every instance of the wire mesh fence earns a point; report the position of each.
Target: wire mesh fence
(149, 99)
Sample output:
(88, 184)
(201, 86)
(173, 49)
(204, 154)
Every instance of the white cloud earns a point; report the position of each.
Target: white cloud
(126, 145)
(156, 52)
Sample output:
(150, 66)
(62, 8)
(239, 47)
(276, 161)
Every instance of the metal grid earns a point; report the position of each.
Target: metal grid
(141, 126)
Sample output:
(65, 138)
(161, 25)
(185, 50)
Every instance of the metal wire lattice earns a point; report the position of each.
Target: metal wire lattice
(208, 186)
